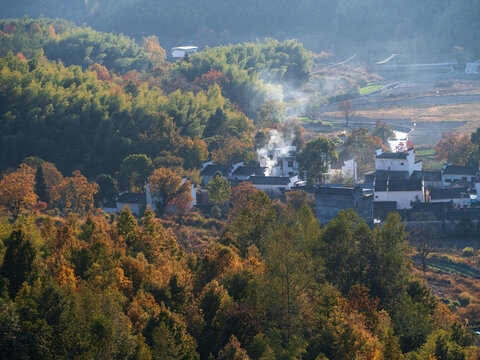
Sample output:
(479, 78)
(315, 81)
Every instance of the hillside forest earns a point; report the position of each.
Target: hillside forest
(86, 114)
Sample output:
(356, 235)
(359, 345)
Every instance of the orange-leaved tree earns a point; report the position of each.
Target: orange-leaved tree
(241, 196)
(17, 190)
(155, 52)
(75, 193)
(455, 148)
(164, 186)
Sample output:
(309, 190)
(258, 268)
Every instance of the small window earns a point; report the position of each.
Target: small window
(401, 163)
(376, 196)
(290, 163)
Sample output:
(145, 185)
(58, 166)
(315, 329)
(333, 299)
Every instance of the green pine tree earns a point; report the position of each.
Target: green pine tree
(41, 188)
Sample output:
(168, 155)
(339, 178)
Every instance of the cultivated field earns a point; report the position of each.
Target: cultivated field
(430, 106)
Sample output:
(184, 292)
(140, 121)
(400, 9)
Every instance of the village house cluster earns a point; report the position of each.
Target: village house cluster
(446, 198)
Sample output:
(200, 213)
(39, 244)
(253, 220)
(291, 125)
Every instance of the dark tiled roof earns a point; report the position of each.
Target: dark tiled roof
(131, 198)
(450, 193)
(427, 175)
(110, 204)
(461, 183)
(398, 185)
(269, 180)
(234, 182)
(392, 174)
(460, 170)
(338, 165)
(249, 170)
(336, 190)
(389, 155)
(210, 170)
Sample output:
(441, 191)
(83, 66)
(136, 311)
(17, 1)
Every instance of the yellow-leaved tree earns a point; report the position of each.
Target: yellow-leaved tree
(74, 193)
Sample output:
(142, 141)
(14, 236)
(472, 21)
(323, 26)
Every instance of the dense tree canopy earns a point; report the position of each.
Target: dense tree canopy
(274, 285)
(69, 117)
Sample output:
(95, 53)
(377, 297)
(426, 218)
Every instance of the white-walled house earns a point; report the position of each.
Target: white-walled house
(110, 206)
(431, 179)
(244, 172)
(452, 173)
(210, 170)
(403, 192)
(345, 168)
(181, 51)
(135, 201)
(273, 186)
(399, 161)
(279, 161)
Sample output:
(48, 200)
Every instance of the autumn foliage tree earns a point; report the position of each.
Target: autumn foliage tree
(211, 78)
(455, 148)
(361, 145)
(75, 193)
(155, 52)
(240, 198)
(101, 72)
(17, 190)
(165, 186)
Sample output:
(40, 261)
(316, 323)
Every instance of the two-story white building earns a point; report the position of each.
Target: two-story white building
(402, 192)
(399, 161)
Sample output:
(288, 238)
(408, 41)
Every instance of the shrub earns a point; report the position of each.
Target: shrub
(468, 251)
(465, 298)
(216, 212)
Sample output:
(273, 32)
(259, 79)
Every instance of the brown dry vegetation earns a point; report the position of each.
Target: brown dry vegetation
(458, 112)
(460, 293)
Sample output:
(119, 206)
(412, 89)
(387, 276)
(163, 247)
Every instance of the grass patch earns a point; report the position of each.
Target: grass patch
(369, 88)
(426, 152)
(306, 119)
(453, 268)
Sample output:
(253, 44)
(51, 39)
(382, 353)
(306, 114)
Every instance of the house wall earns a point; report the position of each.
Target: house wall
(448, 179)
(109, 210)
(327, 206)
(150, 199)
(403, 198)
(407, 164)
(350, 168)
(391, 164)
(433, 184)
(458, 202)
(136, 209)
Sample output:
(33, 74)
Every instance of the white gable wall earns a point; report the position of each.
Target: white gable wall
(403, 198)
